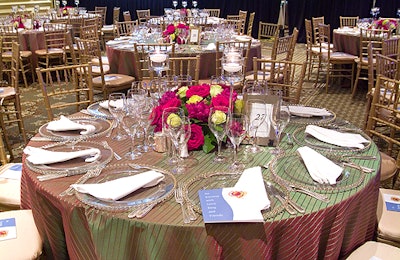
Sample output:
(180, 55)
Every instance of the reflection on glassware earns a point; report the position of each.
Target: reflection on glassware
(64, 3)
(117, 107)
(175, 4)
(280, 120)
(76, 3)
(182, 133)
(398, 12)
(171, 120)
(36, 9)
(14, 9)
(217, 123)
(159, 61)
(256, 111)
(184, 4)
(375, 12)
(236, 129)
(194, 3)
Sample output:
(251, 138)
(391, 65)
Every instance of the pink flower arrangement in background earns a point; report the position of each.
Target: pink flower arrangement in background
(173, 33)
(196, 101)
(385, 24)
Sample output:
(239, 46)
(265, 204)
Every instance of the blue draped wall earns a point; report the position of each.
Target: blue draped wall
(266, 10)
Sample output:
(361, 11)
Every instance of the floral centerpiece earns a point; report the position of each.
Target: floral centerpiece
(19, 21)
(173, 32)
(385, 24)
(196, 101)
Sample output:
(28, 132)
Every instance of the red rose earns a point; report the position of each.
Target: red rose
(173, 102)
(170, 29)
(196, 138)
(199, 90)
(182, 26)
(156, 116)
(220, 100)
(199, 111)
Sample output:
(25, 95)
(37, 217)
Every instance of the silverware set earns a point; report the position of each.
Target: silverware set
(188, 213)
(90, 174)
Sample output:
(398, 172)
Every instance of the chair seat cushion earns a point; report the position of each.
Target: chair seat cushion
(388, 166)
(96, 70)
(43, 52)
(104, 60)
(388, 221)
(112, 80)
(28, 244)
(375, 249)
(10, 188)
(341, 56)
(7, 92)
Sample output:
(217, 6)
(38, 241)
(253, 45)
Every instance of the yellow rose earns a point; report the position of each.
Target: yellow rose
(182, 92)
(215, 90)
(238, 105)
(218, 117)
(194, 99)
(172, 36)
(173, 120)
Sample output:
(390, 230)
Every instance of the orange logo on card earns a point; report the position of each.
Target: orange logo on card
(237, 194)
(396, 199)
(3, 233)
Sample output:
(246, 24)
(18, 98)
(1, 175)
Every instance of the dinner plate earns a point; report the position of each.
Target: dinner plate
(304, 139)
(142, 196)
(218, 180)
(97, 110)
(76, 165)
(314, 120)
(292, 169)
(102, 127)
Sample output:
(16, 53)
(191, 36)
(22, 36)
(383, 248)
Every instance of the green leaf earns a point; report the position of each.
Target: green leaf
(208, 145)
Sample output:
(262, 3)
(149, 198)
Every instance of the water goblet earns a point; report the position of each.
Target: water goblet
(76, 3)
(182, 133)
(256, 111)
(398, 12)
(280, 119)
(117, 108)
(194, 3)
(236, 129)
(130, 123)
(171, 120)
(64, 3)
(184, 4)
(175, 4)
(217, 122)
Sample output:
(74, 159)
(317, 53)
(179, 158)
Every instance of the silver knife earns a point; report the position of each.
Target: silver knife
(287, 198)
(271, 191)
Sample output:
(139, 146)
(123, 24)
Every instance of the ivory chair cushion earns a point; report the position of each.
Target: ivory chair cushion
(375, 249)
(10, 189)
(28, 244)
(388, 167)
(388, 221)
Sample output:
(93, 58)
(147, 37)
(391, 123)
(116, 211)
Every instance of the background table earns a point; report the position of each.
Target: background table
(72, 229)
(346, 42)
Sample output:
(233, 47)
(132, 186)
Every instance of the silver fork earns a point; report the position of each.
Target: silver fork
(116, 156)
(90, 174)
(113, 126)
(192, 215)
(179, 199)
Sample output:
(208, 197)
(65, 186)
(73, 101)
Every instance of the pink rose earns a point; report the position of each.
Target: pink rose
(156, 116)
(199, 90)
(199, 111)
(220, 100)
(169, 30)
(196, 138)
(173, 102)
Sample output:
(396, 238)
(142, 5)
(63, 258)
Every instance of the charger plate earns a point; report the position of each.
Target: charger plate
(291, 169)
(313, 120)
(76, 165)
(142, 196)
(102, 127)
(98, 111)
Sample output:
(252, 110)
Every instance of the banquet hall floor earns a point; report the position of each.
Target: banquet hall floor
(338, 99)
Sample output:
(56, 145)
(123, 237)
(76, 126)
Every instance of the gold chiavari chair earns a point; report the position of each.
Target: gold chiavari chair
(250, 23)
(185, 66)
(315, 23)
(127, 16)
(267, 32)
(67, 86)
(391, 47)
(125, 28)
(142, 15)
(102, 10)
(348, 21)
(213, 12)
(313, 52)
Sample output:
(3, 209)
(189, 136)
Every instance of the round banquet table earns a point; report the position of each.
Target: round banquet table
(122, 60)
(72, 229)
(347, 41)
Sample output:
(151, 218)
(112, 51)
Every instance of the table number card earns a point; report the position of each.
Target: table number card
(392, 202)
(194, 37)
(8, 229)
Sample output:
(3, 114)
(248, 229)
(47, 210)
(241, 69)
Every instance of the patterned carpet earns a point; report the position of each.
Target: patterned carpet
(338, 99)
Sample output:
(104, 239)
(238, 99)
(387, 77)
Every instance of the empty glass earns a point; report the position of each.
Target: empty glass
(175, 4)
(117, 108)
(280, 120)
(182, 133)
(256, 111)
(236, 129)
(184, 4)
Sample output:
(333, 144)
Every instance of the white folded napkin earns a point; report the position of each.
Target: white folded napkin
(335, 137)
(303, 111)
(119, 188)
(42, 156)
(65, 124)
(252, 181)
(211, 46)
(116, 103)
(320, 168)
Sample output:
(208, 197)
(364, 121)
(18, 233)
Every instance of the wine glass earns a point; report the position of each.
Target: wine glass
(236, 129)
(194, 3)
(76, 3)
(184, 4)
(171, 120)
(280, 119)
(256, 111)
(175, 4)
(182, 133)
(217, 122)
(117, 108)
(398, 12)
(130, 123)
(158, 61)
(64, 3)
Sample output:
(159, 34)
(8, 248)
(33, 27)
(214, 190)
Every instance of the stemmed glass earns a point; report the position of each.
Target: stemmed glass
(130, 123)
(194, 3)
(280, 119)
(256, 111)
(398, 12)
(182, 135)
(236, 129)
(217, 123)
(184, 4)
(64, 3)
(171, 120)
(232, 65)
(175, 4)
(136, 106)
(76, 3)
(117, 108)
(159, 61)
(375, 12)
